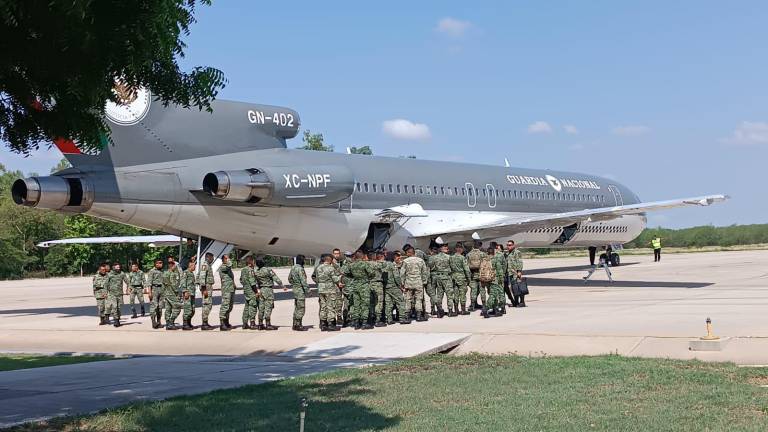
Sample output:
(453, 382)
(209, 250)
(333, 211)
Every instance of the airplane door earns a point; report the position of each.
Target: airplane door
(471, 195)
(345, 205)
(491, 191)
(616, 195)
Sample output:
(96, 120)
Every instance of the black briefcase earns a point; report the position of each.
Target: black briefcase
(520, 287)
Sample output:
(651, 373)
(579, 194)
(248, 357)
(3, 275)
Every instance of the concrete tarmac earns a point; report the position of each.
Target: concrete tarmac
(652, 310)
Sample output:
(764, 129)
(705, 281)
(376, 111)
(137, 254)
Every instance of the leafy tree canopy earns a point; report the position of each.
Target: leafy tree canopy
(314, 142)
(61, 58)
(364, 150)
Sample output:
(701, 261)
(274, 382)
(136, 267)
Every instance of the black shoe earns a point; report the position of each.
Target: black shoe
(187, 325)
(323, 325)
(269, 326)
(206, 326)
(358, 324)
(142, 311)
(472, 307)
(103, 320)
(117, 322)
(133, 311)
(171, 326)
(332, 326)
(226, 323)
(440, 312)
(421, 317)
(484, 312)
(252, 325)
(246, 326)
(380, 324)
(260, 326)
(464, 310)
(433, 312)
(406, 322)
(222, 326)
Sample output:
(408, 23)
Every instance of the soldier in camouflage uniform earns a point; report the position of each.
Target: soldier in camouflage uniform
(251, 294)
(114, 286)
(188, 288)
(357, 276)
(414, 276)
(475, 255)
(393, 291)
(136, 290)
(100, 292)
(227, 278)
(155, 283)
(461, 276)
(171, 294)
(429, 289)
(440, 271)
(205, 282)
(298, 280)
(342, 300)
(376, 297)
(328, 282)
(497, 286)
(266, 279)
(514, 261)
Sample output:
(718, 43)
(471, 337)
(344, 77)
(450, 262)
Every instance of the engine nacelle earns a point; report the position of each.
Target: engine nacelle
(73, 194)
(315, 186)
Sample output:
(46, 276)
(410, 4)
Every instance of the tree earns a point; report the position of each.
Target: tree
(61, 60)
(314, 142)
(79, 254)
(63, 164)
(364, 150)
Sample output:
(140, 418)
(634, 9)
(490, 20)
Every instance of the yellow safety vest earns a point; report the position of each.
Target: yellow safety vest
(656, 243)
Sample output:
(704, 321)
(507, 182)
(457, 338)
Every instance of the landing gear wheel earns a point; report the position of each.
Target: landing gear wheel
(615, 260)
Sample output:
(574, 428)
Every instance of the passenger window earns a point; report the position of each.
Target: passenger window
(456, 191)
(398, 188)
(357, 186)
(374, 187)
(442, 190)
(365, 186)
(421, 189)
(390, 188)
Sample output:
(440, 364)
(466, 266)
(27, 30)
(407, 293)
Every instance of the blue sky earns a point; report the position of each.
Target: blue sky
(669, 98)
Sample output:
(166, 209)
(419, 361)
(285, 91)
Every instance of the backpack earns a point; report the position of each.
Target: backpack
(474, 260)
(486, 270)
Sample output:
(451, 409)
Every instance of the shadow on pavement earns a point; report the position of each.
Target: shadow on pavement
(594, 282)
(584, 267)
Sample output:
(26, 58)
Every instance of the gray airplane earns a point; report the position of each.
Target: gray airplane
(228, 176)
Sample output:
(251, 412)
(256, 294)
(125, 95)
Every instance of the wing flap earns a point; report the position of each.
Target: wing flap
(153, 240)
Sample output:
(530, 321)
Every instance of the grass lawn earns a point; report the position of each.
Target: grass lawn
(491, 393)
(26, 361)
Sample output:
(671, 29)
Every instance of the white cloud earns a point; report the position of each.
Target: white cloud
(749, 133)
(452, 27)
(539, 127)
(571, 129)
(631, 130)
(406, 130)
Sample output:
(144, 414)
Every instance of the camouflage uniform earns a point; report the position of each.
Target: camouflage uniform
(266, 279)
(495, 287)
(414, 275)
(474, 283)
(114, 286)
(461, 276)
(155, 282)
(341, 304)
(514, 263)
(328, 279)
(205, 282)
(250, 289)
(376, 296)
(227, 291)
(440, 271)
(357, 276)
(430, 287)
(100, 293)
(187, 286)
(298, 280)
(171, 282)
(137, 284)
(393, 293)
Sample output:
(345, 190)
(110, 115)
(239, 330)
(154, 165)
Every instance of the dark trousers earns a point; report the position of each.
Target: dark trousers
(508, 291)
(656, 255)
(592, 252)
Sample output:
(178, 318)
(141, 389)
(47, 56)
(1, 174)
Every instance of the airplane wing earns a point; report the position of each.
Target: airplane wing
(153, 240)
(501, 226)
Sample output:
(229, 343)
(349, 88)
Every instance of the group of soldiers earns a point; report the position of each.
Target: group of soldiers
(360, 290)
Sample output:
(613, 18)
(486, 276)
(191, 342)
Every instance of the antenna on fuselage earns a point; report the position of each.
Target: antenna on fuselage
(506, 163)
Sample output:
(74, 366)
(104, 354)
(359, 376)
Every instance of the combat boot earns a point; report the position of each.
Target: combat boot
(187, 325)
(332, 326)
(484, 312)
(171, 326)
(246, 326)
(142, 311)
(464, 309)
(133, 313)
(253, 325)
(503, 310)
(268, 325)
(261, 324)
(226, 323)
(323, 325)
(473, 306)
(421, 316)
(451, 313)
(103, 320)
(405, 321)
(206, 326)
(223, 325)
(117, 322)
(440, 312)
(154, 321)
(380, 323)
(358, 324)
(300, 326)
(433, 310)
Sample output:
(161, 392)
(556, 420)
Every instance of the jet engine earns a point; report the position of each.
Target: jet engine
(53, 192)
(315, 186)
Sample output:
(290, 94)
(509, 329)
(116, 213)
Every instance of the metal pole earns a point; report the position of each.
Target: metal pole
(181, 245)
(199, 240)
(303, 413)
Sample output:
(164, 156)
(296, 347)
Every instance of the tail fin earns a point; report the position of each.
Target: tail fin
(145, 131)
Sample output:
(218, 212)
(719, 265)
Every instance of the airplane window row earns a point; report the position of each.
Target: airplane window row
(586, 229)
(463, 191)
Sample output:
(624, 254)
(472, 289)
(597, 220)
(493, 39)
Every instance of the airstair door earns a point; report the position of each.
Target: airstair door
(471, 195)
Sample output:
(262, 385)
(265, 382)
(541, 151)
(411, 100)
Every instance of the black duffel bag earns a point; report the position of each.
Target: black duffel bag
(520, 287)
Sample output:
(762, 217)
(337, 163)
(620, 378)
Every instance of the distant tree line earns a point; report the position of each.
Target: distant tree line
(706, 235)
